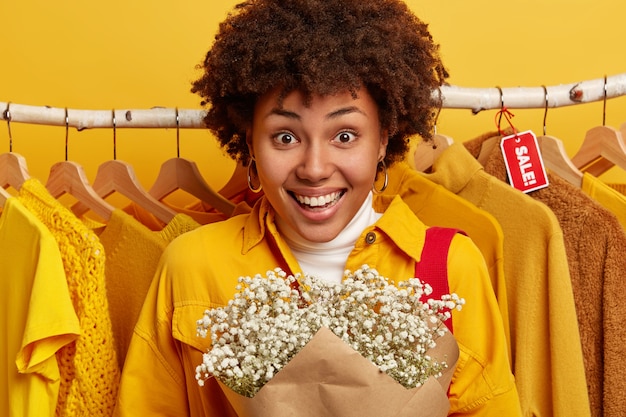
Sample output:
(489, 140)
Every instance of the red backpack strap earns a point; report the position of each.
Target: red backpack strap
(433, 266)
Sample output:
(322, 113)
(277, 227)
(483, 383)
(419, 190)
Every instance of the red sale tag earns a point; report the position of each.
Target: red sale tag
(523, 161)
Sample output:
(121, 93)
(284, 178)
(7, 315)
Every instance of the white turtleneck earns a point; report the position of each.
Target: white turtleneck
(327, 260)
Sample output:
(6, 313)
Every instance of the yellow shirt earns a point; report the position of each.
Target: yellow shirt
(547, 354)
(37, 316)
(199, 270)
(608, 197)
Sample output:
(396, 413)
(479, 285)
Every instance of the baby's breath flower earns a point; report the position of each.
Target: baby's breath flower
(271, 318)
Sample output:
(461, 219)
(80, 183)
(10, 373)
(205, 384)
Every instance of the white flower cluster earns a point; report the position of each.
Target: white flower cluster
(271, 318)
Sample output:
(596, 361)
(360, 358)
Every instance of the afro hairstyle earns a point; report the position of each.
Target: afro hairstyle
(322, 47)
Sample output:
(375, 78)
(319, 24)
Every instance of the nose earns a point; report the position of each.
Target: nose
(315, 164)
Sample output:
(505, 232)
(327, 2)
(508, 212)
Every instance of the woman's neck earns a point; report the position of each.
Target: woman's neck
(327, 260)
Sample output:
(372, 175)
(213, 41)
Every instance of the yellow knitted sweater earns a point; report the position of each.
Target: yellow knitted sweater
(133, 252)
(88, 366)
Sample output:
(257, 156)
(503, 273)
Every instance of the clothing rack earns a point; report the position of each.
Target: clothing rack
(454, 97)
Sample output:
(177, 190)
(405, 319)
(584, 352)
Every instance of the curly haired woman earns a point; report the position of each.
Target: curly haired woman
(317, 97)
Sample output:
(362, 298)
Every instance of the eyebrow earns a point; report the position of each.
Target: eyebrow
(332, 115)
(344, 110)
(285, 113)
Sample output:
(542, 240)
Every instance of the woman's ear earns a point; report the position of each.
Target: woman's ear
(384, 141)
(249, 142)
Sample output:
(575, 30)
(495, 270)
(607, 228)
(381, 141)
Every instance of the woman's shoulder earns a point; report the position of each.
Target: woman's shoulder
(207, 238)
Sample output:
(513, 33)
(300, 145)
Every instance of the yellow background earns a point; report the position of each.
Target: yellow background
(141, 53)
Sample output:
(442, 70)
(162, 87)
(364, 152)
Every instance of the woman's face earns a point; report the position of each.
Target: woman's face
(317, 162)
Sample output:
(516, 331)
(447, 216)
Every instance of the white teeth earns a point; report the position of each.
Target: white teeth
(318, 201)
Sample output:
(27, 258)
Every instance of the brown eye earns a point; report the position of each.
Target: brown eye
(345, 137)
(285, 138)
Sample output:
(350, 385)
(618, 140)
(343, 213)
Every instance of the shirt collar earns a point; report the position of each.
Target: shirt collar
(454, 168)
(261, 216)
(398, 223)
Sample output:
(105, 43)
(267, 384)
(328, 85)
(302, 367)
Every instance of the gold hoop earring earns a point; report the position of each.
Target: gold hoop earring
(250, 186)
(386, 182)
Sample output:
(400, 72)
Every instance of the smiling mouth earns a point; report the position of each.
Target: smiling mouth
(320, 201)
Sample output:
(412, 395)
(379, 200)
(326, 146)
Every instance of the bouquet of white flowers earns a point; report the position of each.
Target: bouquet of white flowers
(283, 337)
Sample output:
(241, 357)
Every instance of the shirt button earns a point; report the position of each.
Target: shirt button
(370, 237)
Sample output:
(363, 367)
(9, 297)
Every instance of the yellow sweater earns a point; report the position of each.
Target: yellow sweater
(89, 370)
(608, 197)
(133, 252)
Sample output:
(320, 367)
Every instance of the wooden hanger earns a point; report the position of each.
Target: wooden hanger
(555, 157)
(237, 182)
(602, 148)
(118, 176)
(4, 196)
(182, 174)
(622, 130)
(13, 170)
(69, 177)
(426, 153)
(13, 173)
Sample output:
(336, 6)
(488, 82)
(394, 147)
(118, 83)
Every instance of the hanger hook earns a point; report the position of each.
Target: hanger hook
(501, 106)
(177, 134)
(545, 109)
(6, 115)
(604, 104)
(501, 97)
(67, 130)
(439, 107)
(114, 135)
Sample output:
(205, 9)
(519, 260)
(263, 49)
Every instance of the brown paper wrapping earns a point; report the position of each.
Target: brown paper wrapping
(329, 378)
